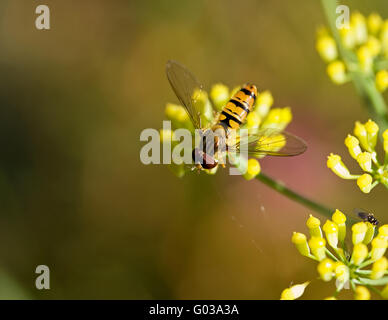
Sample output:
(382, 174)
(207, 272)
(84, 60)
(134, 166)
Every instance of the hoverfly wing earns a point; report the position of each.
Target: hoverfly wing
(186, 88)
(272, 142)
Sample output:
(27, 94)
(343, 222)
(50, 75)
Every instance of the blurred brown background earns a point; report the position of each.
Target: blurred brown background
(73, 193)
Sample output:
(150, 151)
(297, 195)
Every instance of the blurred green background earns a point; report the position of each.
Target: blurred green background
(73, 192)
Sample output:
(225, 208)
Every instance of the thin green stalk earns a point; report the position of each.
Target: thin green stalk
(364, 83)
(281, 188)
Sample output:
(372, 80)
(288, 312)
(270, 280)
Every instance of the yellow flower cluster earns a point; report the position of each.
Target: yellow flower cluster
(361, 147)
(209, 105)
(366, 40)
(336, 262)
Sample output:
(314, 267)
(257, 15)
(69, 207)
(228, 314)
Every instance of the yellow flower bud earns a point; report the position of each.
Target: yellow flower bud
(379, 267)
(359, 230)
(369, 233)
(382, 80)
(264, 102)
(361, 293)
(178, 116)
(372, 130)
(318, 247)
(325, 269)
(341, 272)
(374, 23)
(327, 48)
(383, 231)
(362, 135)
(364, 159)
(379, 245)
(336, 165)
(176, 112)
(313, 224)
(348, 37)
(219, 94)
(294, 292)
(365, 57)
(360, 252)
(202, 103)
(336, 72)
(285, 117)
(253, 169)
(339, 218)
(331, 232)
(358, 24)
(253, 120)
(374, 46)
(300, 241)
(277, 118)
(353, 146)
(365, 183)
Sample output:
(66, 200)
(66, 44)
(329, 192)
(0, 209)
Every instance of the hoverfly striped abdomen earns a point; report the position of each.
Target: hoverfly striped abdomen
(237, 108)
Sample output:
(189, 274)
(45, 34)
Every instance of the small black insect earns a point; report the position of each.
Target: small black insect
(367, 216)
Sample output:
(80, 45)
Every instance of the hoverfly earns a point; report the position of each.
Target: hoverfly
(269, 141)
(366, 216)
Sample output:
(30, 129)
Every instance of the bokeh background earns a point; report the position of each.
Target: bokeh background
(73, 192)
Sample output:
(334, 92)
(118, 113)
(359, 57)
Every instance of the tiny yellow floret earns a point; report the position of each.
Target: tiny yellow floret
(360, 252)
(318, 247)
(365, 183)
(294, 292)
(379, 246)
(359, 230)
(327, 48)
(382, 80)
(300, 241)
(364, 160)
(331, 232)
(253, 169)
(353, 146)
(340, 219)
(361, 293)
(313, 224)
(219, 93)
(264, 102)
(336, 72)
(325, 269)
(374, 23)
(362, 135)
(336, 165)
(379, 267)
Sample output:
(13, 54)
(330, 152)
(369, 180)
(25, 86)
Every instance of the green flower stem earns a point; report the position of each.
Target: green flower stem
(281, 188)
(364, 83)
(377, 282)
(365, 264)
(331, 255)
(364, 272)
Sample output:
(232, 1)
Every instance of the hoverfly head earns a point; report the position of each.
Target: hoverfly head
(203, 159)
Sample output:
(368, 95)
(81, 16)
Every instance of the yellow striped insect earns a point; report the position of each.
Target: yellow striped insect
(269, 141)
